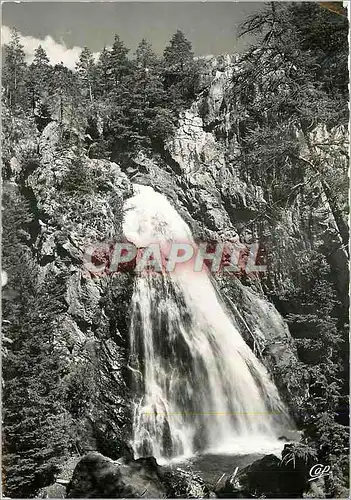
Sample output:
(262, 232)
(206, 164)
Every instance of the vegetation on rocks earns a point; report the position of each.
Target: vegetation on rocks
(64, 377)
(291, 113)
(35, 420)
(273, 164)
(115, 106)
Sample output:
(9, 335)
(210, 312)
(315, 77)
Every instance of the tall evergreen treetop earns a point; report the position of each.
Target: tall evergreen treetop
(119, 51)
(14, 70)
(14, 51)
(179, 50)
(119, 64)
(85, 61)
(40, 57)
(102, 70)
(86, 71)
(145, 56)
(38, 77)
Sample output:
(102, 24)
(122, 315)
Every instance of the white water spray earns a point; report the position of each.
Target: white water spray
(199, 386)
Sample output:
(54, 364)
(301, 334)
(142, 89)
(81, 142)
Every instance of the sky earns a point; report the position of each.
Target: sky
(63, 28)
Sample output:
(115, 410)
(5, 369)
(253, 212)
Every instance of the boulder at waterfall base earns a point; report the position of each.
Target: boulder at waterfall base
(97, 476)
(269, 477)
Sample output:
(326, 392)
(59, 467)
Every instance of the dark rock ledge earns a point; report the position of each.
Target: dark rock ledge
(97, 476)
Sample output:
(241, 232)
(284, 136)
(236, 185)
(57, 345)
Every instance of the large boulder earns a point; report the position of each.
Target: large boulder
(262, 477)
(97, 476)
(270, 477)
(184, 484)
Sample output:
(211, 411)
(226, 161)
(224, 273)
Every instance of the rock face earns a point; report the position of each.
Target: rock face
(265, 331)
(269, 477)
(99, 477)
(77, 203)
(201, 172)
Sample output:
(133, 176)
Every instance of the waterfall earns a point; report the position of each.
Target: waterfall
(198, 386)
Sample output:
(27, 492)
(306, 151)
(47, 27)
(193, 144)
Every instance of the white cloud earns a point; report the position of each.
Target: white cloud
(57, 52)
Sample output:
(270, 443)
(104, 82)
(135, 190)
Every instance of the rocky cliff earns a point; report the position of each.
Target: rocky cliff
(71, 215)
(200, 170)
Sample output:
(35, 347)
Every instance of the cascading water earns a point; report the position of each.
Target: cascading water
(198, 384)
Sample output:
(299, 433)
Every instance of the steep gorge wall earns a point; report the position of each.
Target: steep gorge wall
(77, 203)
(206, 179)
(200, 173)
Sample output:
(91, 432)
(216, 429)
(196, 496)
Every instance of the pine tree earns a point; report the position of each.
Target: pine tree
(33, 418)
(38, 77)
(179, 51)
(139, 114)
(149, 114)
(65, 95)
(14, 72)
(119, 64)
(322, 342)
(323, 31)
(102, 70)
(145, 56)
(296, 83)
(41, 59)
(115, 71)
(181, 72)
(86, 71)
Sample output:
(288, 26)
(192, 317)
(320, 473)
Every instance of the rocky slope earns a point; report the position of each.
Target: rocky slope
(200, 172)
(70, 216)
(204, 178)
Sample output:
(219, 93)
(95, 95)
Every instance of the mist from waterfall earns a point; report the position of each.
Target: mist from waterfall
(198, 386)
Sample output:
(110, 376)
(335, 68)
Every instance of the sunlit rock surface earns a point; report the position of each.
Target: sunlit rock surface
(67, 222)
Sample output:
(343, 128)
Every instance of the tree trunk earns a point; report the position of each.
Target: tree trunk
(332, 200)
(337, 214)
(90, 93)
(61, 107)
